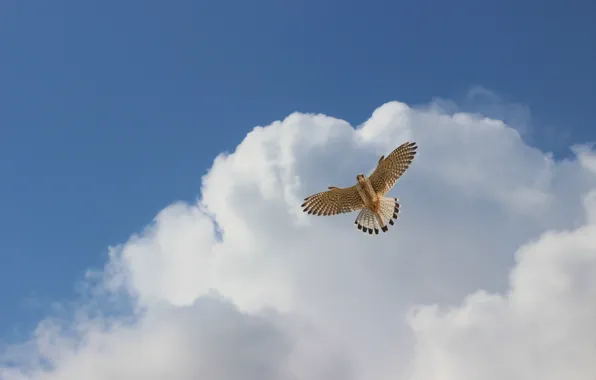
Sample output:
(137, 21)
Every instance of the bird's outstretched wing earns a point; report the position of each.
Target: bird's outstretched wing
(390, 168)
(334, 201)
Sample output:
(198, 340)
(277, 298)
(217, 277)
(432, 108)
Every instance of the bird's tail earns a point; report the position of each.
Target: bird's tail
(367, 221)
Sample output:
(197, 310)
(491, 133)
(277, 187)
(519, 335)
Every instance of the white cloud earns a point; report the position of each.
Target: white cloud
(207, 340)
(542, 328)
(312, 298)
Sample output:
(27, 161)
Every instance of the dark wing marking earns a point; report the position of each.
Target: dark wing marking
(392, 167)
(334, 201)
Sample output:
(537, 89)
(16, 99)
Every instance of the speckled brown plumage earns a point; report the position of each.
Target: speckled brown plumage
(334, 201)
(392, 167)
(368, 194)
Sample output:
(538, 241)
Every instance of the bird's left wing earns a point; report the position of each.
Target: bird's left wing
(390, 168)
(334, 201)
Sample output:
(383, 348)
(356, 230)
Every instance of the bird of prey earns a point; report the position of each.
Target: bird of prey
(368, 194)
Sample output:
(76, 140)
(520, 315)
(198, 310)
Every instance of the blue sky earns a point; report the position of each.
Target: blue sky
(112, 110)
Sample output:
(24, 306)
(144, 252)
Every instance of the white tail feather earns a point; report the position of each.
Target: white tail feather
(367, 221)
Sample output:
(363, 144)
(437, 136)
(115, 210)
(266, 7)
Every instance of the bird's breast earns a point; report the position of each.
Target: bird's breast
(368, 195)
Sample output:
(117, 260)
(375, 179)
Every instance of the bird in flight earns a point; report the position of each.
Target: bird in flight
(368, 194)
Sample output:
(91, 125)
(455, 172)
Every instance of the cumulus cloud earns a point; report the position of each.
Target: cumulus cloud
(541, 328)
(488, 273)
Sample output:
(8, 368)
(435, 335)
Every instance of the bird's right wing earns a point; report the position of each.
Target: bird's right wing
(334, 201)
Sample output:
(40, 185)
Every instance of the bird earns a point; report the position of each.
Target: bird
(368, 194)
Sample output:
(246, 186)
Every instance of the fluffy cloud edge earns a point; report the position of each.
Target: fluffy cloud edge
(389, 122)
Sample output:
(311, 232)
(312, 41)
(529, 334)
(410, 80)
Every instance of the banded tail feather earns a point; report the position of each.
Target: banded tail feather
(367, 221)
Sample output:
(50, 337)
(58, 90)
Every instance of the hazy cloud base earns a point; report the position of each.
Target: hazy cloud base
(490, 272)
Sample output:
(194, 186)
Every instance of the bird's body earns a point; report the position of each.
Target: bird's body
(370, 198)
(368, 194)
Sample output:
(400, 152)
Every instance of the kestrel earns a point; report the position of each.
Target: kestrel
(368, 194)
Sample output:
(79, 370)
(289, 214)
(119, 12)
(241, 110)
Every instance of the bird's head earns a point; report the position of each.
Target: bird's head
(360, 178)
